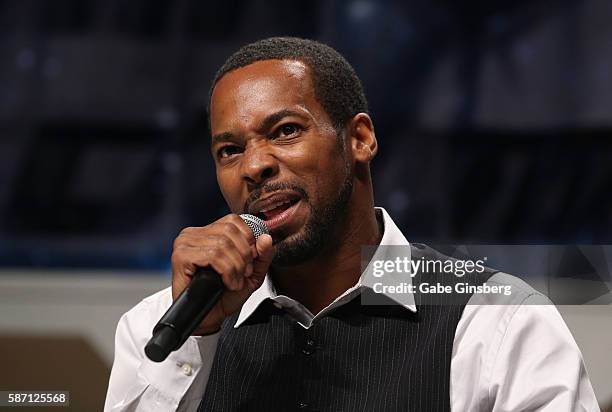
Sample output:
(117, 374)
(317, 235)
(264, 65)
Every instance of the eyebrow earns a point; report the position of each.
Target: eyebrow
(274, 118)
(223, 137)
(265, 125)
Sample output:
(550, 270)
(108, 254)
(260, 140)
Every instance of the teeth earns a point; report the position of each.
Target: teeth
(274, 206)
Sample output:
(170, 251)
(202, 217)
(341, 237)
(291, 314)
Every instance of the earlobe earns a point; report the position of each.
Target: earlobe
(363, 138)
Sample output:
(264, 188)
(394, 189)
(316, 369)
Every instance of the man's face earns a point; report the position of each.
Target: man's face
(278, 156)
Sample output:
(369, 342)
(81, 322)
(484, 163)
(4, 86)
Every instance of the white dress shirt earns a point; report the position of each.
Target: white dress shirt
(515, 356)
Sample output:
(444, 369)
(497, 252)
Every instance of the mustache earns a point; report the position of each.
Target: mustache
(273, 187)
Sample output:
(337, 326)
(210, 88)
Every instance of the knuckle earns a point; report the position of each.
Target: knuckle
(239, 266)
(187, 231)
(210, 239)
(231, 228)
(178, 243)
(212, 242)
(234, 218)
(223, 268)
(216, 258)
(224, 242)
(246, 255)
(179, 254)
(208, 253)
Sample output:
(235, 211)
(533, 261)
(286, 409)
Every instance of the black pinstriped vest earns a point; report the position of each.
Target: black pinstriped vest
(356, 358)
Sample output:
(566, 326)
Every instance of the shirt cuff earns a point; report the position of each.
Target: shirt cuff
(171, 378)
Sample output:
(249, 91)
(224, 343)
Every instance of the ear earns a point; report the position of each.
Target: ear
(362, 138)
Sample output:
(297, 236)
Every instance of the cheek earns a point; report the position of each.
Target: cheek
(230, 188)
(320, 167)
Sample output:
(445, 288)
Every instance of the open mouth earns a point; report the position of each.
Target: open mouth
(277, 209)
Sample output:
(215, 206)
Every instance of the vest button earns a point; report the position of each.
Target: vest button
(302, 405)
(309, 348)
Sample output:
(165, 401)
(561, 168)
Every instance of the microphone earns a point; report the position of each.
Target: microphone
(192, 305)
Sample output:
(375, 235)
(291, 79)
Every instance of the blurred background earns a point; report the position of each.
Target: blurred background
(494, 122)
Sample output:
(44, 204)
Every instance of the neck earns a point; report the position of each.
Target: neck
(317, 282)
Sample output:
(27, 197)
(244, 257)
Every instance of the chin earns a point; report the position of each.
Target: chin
(292, 250)
(300, 247)
(281, 237)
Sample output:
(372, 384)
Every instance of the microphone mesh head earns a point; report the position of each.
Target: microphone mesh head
(256, 224)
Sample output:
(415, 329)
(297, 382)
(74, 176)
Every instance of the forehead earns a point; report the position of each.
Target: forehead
(259, 89)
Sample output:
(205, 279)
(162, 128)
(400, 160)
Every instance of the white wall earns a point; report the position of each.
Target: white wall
(86, 303)
(591, 326)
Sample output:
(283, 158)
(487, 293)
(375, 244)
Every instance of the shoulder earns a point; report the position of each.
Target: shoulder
(512, 343)
(532, 343)
(487, 317)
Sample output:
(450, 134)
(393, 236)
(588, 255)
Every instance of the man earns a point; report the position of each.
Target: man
(292, 143)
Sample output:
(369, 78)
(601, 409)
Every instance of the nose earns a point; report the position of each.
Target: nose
(258, 164)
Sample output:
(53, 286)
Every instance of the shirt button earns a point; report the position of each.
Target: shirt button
(187, 369)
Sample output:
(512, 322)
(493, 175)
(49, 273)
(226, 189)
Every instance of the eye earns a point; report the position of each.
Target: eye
(288, 130)
(228, 151)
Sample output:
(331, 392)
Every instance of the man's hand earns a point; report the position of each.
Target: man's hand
(229, 247)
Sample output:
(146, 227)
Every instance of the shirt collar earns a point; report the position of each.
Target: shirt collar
(391, 236)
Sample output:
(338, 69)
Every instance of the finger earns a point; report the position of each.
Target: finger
(230, 244)
(241, 225)
(231, 274)
(182, 272)
(240, 240)
(249, 270)
(215, 234)
(230, 265)
(265, 253)
(227, 263)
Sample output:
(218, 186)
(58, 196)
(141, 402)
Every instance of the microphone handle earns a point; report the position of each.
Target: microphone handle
(185, 314)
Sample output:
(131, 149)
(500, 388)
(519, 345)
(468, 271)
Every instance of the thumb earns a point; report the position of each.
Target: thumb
(265, 253)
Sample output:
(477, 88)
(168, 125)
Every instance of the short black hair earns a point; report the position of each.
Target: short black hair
(336, 85)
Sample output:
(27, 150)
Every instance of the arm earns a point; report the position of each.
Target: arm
(518, 357)
(137, 384)
(538, 366)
